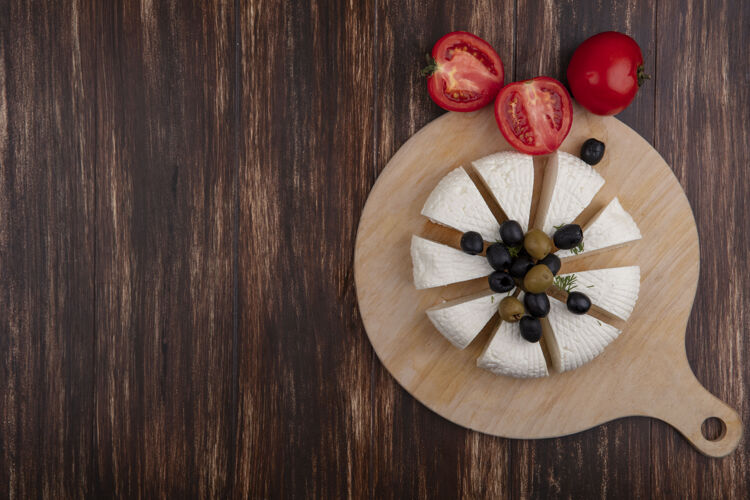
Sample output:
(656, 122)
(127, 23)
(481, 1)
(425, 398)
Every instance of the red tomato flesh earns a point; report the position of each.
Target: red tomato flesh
(535, 115)
(466, 74)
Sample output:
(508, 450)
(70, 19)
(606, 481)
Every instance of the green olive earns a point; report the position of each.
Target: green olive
(538, 279)
(537, 243)
(511, 309)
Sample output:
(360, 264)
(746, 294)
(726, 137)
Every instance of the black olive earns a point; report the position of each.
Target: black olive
(501, 282)
(592, 151)
(578, 303)
(536, 304)
(567, 237)
(553, 262)
(521, 266)
(511, 233)
(472, 243)
(499, 257)
(531, 329)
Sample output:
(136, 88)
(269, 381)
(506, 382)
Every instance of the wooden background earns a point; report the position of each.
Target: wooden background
(180, 186)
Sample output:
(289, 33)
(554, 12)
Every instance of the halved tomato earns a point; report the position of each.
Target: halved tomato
(534, 115)
(465, 72)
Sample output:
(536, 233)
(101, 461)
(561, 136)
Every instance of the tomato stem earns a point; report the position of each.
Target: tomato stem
(432, 66)
(642, 76)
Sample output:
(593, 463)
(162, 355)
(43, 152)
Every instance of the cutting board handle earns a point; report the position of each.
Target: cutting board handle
(685, 404)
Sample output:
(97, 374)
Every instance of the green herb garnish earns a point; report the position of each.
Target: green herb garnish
(431, 67)
(589, 286)
(492, 299)
(566, 283)
(578, 249)
(560, 225)
(514, 251)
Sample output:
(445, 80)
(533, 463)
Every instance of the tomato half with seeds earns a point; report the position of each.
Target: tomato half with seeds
(534, 115)
(465, 73)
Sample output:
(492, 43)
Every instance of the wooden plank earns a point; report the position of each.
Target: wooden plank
(415, 452)
(46, 249)
(129, 94)
(306, 164)
(164, 248)
(599, 462)
(702, 123)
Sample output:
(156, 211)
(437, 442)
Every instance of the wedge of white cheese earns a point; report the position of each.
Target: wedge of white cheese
(456, 202)
(615, 290)
(461, 320)
(572, 339)
(435, 264)
(509, 354)
(510, 178)
(569, 186)
(612, 226)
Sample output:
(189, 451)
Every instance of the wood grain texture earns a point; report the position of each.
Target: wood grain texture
(305, 166)
(416, 453)
(46, 249)
(157, 155)
(589, 464)
(702, 122)
(164, 248)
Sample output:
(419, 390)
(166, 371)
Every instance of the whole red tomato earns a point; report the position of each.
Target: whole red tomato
(605, 72)
(465, 73)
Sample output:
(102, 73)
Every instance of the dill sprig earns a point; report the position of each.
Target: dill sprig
(567, 283)
(578, 249)
(514, 251)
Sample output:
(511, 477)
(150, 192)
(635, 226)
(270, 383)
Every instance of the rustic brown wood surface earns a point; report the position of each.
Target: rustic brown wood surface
(180, 187)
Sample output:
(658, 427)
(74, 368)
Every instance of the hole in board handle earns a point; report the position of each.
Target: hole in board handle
(713, 429)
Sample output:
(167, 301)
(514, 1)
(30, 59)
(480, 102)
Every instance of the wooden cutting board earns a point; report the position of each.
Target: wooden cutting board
(644, 372)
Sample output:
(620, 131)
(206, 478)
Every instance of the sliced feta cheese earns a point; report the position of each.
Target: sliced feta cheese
(456, 202)
(611, 227)
(615, 290)
(436, 264)
(574, 340)
(569, 186)
(510, 178)
(509, 354)
(462, 319)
